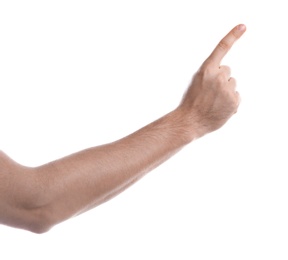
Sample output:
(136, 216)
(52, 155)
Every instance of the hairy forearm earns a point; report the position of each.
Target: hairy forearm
(39, 198)
(88, 178)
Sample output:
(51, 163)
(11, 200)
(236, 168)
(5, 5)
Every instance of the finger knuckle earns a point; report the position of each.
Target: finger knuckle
(235, 34)
(227, 69)
(232, 81)
(238, 98)
(223, 45)
(206, 69)
(221, 78)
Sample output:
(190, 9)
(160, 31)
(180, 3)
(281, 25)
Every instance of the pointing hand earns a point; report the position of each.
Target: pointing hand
(211, 98)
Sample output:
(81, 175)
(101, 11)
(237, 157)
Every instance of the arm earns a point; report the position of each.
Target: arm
(38, 198)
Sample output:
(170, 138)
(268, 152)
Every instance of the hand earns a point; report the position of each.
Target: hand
(211, 98)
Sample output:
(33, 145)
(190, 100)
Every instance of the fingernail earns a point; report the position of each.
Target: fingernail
(241, 27)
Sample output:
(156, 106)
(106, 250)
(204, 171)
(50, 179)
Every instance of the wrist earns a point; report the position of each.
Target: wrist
(185, 125)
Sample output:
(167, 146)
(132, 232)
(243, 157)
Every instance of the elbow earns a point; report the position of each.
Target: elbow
(23, 200)
(40, 221)
(39, 228)
(35, 220)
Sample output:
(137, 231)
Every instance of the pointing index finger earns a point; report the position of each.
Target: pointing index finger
(226, 43)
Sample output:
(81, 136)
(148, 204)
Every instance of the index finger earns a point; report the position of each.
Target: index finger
(226, 43)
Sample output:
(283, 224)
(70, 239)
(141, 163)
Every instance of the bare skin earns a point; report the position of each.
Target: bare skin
(38, 198)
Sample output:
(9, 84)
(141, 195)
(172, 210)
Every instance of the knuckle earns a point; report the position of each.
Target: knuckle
(227, 69)
(221, 78)
(202, 72)
(238, 98)
(235, 34)
(223, 45)
(232, 81)
(206, 69)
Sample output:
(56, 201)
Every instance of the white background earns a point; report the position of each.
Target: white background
(76, 74)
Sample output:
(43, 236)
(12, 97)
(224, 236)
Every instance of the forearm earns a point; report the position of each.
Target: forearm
(86, 179)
